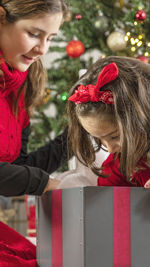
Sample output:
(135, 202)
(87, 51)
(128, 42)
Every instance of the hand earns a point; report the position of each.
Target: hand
(74, 180)
(51, 185)
(147, 184)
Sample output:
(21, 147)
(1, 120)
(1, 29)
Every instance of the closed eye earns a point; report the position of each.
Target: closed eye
(115, 137)
(33, 34)
(37, 35)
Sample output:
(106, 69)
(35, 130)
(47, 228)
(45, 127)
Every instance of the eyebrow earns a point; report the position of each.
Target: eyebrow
(109, 134)
(40, 30)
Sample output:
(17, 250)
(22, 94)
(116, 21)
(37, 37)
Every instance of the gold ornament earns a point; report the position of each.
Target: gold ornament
(68, 16)
(116, 41)
(46, 97)
(121, 3)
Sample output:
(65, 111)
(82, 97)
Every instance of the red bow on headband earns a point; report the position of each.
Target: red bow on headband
(92, 93)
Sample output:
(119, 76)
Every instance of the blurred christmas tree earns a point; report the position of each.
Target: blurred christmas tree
(93, 28)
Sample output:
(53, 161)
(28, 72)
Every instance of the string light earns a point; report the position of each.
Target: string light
(64, 96)
(140, 36)
(139, 43)
(132, 41)
(128, 33)
(146, 54)
(133, 48)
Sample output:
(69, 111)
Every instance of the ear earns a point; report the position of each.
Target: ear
(2, 15)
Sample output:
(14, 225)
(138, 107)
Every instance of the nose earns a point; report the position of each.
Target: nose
(112, 148)
(42, 48)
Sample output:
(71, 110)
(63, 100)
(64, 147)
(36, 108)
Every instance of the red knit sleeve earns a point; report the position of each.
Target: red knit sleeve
(142, 176)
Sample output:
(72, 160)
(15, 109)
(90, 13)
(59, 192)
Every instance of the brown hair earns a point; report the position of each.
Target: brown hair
(16, 10)
(131, 109)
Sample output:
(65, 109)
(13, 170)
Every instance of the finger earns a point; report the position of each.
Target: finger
(147, 184)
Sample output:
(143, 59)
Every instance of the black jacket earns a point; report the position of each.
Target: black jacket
(29, 173)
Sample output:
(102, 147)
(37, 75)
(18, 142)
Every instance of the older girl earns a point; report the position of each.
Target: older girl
(26, 30)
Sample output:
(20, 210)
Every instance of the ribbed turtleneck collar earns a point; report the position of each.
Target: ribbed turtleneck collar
(12, 79)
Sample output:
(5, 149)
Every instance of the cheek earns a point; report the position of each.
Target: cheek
(112, 143)
(118, 143)
(24, 43)
(18, 43)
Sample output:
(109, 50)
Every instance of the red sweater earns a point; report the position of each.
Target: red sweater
(15, 250)
(11, 127)
(115, 178)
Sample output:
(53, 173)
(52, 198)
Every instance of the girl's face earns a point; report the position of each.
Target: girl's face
(26, 40)
(104, 130)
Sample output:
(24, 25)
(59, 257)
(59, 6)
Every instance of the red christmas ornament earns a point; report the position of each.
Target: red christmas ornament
(143, 58)
(78, 16)
(140, 15)
(75, 49)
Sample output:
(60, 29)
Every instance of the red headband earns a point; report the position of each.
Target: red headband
(91, 92)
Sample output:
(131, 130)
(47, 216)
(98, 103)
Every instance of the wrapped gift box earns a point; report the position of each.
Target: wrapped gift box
(94, 227)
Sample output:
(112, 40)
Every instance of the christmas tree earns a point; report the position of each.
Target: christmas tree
(93, 28)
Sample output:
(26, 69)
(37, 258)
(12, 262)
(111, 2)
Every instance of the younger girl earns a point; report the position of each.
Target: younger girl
(111, 104)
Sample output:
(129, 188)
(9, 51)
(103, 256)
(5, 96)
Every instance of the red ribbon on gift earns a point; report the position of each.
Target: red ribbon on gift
(57, 250)
(121, 227)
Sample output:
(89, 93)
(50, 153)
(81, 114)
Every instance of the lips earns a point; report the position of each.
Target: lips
(28, 60)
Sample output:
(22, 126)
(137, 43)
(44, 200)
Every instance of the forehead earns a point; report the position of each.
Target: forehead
(47, 21)
(97, 127)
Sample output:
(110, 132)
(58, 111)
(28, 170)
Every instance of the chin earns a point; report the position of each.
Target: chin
(21, 68)
(15, 64)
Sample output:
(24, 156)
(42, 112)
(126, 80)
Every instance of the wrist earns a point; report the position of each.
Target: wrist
(51, 185)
